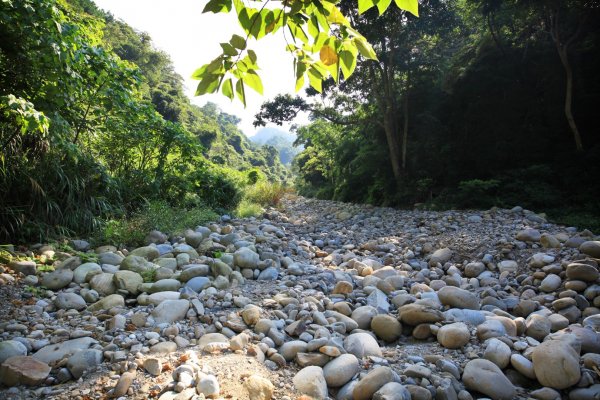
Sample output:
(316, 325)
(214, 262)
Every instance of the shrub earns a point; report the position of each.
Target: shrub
(156, 215)
(265, 193)
(248, 209)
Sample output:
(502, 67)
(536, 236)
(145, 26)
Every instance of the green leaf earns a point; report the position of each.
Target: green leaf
(315, 79)
(239, 90)
(348, 60)
(217, 6)
(252, 56)
(253, 80)
(229, 49)
(228, 88)
(199, 73)
(208, 84)
(238, 42)
(299, 83)
(365, 48)
(383, 5)
(412, 6)
(364, 5)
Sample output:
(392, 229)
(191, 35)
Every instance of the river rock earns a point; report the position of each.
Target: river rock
(114, 300)
(582, 272)
(58, 279)
(386, 327)
(591, 248)
(84, 272)
(362, 345)
(128, 280)
(170, 311)
(497, 352)
(454, 336)
(83, 361)
(56, 352)
(311, 382)
(485, 377)
(103, 284)
(415, 314)
(67, 301)
(556, 364)
(23, 370)
(373, 381)
(259, 388)
(392, 391)
(458, 298)
(147, 252)
(11, 348)
(246, 258)
(340, 370)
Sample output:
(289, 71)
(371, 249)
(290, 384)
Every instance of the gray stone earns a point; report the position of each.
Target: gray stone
(165, 285)
(67, 301)
(454, 336)
(56, 352)
(11, 348)
(340, 370)
(556, 364)
(373, 381)
(58, 279)
(362, 345)
(83, 361)
(591, 248)
(147, 252)
(170, 311)
(245, 258)
(23, 267)
(268, 274)
(485, 377)
(311, 382)
(129, 281)
(459, 298)
(198, 283)
(80, 274)
(392, 391)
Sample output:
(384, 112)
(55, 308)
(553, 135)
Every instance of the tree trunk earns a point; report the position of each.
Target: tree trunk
(564, 58)
(393, 141)
(405, 128)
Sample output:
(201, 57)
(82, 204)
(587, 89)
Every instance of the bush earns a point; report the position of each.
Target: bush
(248, 209)
(265, 193)
(156, 215)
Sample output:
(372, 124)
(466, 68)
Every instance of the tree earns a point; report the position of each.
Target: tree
(317, 29)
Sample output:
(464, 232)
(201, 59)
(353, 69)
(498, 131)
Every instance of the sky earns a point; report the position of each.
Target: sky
(192, 39)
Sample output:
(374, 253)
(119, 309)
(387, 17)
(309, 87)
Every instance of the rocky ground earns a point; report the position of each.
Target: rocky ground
(315, 300)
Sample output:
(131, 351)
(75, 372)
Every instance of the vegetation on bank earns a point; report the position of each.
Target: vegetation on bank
(474, 104)
(97, 135)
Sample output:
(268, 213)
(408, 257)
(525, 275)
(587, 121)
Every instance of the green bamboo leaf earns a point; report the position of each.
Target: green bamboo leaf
(253, 80)
(228, 88)
(364, 5)
(412, 6)
(217, 6)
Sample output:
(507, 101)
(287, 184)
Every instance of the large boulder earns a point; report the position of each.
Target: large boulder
(556, 364)
(458, 298)
(23, 370)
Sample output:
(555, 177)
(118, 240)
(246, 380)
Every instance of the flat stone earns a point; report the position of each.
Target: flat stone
(11, 348)
(23, 370)
(67, 301)
(56, 352)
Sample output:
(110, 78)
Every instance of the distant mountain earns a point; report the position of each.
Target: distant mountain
(280, 139)
(265, 134)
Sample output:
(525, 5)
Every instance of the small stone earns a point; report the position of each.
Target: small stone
(497, 352)
(11, 348)
(259, 388)
(123, 384)
(83, 361)
(392, 391)
(153, 366)
(208, 385)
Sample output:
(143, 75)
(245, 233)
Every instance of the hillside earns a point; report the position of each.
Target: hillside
(279, 139)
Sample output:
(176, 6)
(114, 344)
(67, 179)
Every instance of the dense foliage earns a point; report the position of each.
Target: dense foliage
(474, 104)
(94, 124)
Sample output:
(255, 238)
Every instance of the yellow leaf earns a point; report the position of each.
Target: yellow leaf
(328, 55)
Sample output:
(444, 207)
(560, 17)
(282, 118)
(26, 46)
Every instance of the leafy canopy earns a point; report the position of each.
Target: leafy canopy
(321, 39)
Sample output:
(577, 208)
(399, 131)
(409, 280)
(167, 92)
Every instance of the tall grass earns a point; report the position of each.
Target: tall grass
(265, 193)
